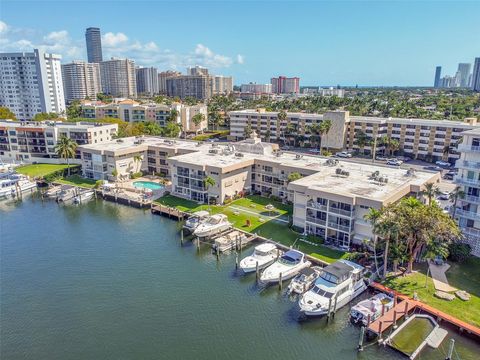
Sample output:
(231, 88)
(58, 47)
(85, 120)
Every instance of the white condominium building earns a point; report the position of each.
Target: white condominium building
(81, 80)
(330, 200)
(467, 212)
(256, 88)
(132, 111)
(31, 83)
(423, 139)
(222, 84)
(162, 79)
(119, 78)
(36, 141)
(147, 81)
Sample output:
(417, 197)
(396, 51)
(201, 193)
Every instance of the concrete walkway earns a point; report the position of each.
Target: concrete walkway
(439, 278)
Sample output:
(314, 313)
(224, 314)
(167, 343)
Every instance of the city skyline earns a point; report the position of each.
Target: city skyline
(341, 46)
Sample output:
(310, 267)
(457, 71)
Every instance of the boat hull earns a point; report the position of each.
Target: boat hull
(286, 275)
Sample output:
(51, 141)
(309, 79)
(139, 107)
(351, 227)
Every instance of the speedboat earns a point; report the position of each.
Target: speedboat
(287, 266)
(212, 225)
(11, 184)
(194, 220)
(66, 194)
(304, 280)
(373, 307)
(229, 241)
(84, 197)
(263, 255)
(338, 284)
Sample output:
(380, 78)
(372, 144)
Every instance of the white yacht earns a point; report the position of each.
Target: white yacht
(289, 265)
(304, 280)
(342, 280)
(194, 220)
(212, 225)
(11, 184)
(372, 306)
(65, 195)
(229, 241)
(263, 255)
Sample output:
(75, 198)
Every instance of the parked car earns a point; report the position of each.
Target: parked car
(448, 176)
(404, 158)
(443, 164)
(443, 195)
(381, 158)
(394, 162)
(314, 151)
(343, 154)
(433, 168)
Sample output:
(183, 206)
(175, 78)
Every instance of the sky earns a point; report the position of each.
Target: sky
(369, 43)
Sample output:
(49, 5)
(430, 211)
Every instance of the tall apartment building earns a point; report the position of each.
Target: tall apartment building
(197, 86)
(197, 70)
(285, 85)
(93, 39)
(131, 111)
(147, 81)
(81, 80)
(255, 88)
(330, 200)
(467, 211)
(36, 141)
(438, 75)
(463, 74)
(118, 77)
(31, 83)
(222, 84)
(162, 79)
(429, 140)
(476, 75)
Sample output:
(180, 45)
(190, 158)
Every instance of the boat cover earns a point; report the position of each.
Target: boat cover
(293, 256)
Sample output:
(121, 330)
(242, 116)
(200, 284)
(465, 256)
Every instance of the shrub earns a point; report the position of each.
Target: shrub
(276, 198)
(315, 239)
(227, 201)
(459, 251)
(136, 175)
(56, 175)
(98, 184)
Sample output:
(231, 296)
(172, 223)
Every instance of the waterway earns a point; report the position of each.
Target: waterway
(105, 281)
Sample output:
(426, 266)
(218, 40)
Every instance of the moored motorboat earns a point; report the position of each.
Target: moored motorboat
(287, 266)
(371, 309)
(84, 196)
(12, 184)
(65, 195)
(304, 280)
(229, 241)
(338, 284)
(263, 255)
(212, 225)
(194, 220)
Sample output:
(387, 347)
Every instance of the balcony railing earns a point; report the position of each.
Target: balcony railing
(316, 220)
(468, 148)
(334, 210)
(471, 198)
(465, 181)
(471, 232)
(468, 214)
(316, 205)
(339, 227)
(198, 188)
(196, 176)
(469, 164)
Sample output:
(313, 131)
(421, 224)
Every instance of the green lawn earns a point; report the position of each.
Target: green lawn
(41, 170)
(463, 276)
(78, 181)
(252, 208)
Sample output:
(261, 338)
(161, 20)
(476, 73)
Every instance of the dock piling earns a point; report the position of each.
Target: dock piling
(360, 340)
(369, 319)
(198, 243)
(280, 282)
(395, 319)
(406, 310)
(181, 237)
(380, 332)
(236, 260)
(335, 306)
(450, 349)
(217, 250)
(256, 271)
(329, 308)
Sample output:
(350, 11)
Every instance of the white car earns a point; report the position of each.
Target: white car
(442, 163)
(394, 162)
(343, 154)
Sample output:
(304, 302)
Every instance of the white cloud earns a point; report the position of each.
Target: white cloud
(110, 39)
(114, 45)
(3, 27)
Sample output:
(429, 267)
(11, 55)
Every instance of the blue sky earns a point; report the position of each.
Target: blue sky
(324, 43)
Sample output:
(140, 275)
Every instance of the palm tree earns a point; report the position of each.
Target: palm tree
(209, 181)
(456, 194)
(361, 141)
(66, 149)
(173, 115)
(198, 119)
(373, 216)
(294, 176)
(137, 159)
(316, 131)
(326, 125)
(430, 191)
(247, 131)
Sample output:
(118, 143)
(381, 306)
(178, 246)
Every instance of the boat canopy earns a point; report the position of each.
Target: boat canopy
(337, 272)
(293, 256)
(201, 214)
(265, 248)
(307, 271)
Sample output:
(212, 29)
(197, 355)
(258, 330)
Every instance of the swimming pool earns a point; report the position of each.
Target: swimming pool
(148, 185)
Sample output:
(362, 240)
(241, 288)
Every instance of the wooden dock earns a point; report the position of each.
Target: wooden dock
(391, 317)
(439, 315)
(168, 211)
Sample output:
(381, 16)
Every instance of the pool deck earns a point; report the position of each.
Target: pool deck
(440, 315)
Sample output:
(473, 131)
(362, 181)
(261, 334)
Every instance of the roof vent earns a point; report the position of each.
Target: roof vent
(341, 172)
(298, 156)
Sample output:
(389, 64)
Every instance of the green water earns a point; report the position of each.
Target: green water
(148, 185)
(103, 281)
(412, 335)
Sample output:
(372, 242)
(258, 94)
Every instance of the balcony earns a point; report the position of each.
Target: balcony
(339, 211)
(316, 205)
(471, 232)
(198, 188)
(468, 214)
(465, 181)
(197, 176)
(468, 148)
(468, 165)
(316, 220)
(339, 227)
(472, 199)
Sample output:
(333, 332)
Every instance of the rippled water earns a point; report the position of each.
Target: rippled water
(104, 281)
